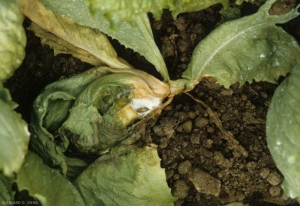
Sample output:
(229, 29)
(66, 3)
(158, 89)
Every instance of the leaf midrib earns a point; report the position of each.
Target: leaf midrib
(225, 44)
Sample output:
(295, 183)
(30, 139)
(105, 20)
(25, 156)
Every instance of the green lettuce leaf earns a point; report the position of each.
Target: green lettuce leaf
(6, 193)
(137, 35)
(135, 178)
(283, 131)
(122, 10)
(46, 184)
(249, 48)
(13, 134)
(182, 6)
(12, 38)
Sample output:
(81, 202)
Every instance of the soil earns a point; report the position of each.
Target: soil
(203, 166)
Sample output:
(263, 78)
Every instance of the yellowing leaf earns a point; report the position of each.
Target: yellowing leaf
(136, 35)
(65, 36)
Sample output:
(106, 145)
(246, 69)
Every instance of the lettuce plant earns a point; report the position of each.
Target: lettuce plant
(103, 112)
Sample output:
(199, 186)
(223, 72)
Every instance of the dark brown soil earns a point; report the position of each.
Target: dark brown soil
(202, 167)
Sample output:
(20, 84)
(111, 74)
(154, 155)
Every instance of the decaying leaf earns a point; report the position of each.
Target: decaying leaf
(137, 36)
(65, 36)
(92, 111)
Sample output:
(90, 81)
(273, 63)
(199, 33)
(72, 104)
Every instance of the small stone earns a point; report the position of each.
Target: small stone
(195, 138)
(208, 143)
(163, 131)
(181, 116)
(264, 172)
(236, 154)
(164, 142)
(244, 97)
(210, 130)
(168, 47)
(192, 115)
(204, 182)
(169, 173)
(184, 167)
(226, 92)
(176, 176)
(183, 45)
(264, 95)
(185, 127)
(274, 178)
(221, 174)
(251, 166)
(180, 189)
(188, 126)
(201, 122)
(180, 23)
(275, 191)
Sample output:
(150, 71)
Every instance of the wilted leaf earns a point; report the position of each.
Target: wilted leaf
(14, 135)
(137, 36)
(12, 38)
(46, 184)
(249, 48)
(65, 36)
(283, 131)
(135, 178)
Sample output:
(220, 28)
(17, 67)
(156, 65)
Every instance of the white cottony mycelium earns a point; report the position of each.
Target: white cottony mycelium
(144, 106)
